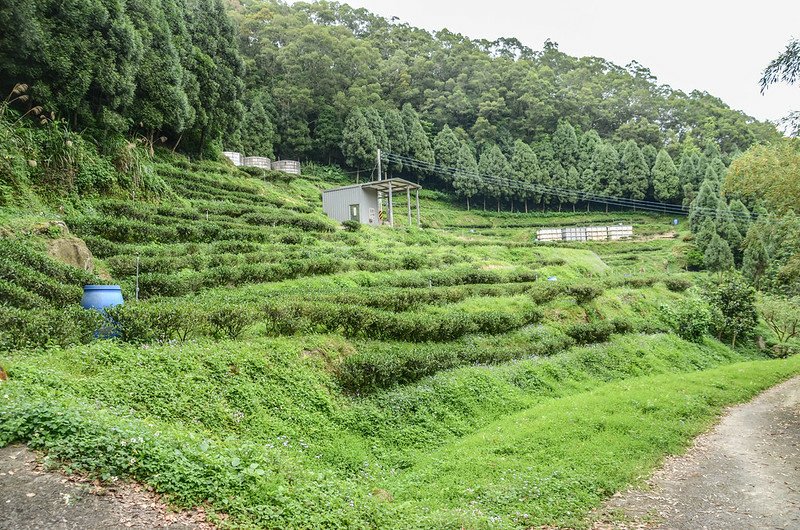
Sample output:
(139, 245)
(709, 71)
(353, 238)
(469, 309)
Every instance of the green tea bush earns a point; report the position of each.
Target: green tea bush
(21, 328)
(230, 320)
(351, 225)
(677, 285)
(583, 293)
(545, 292)
(690, 318)
(591, 332)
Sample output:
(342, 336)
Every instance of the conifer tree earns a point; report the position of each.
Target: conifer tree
(571, 185)
(419, 147)
(358, 142)
(687, 172)
(466, 181)
(494, 167)
(587, 142)
(755, 259)
(650, 154)
(398, 138)
(741, 216)
(704, 206)
(565, 144)
(328, 133)
(706, 233)
(718, 256)
(603, 176)
(544, 152)
(666, 185)
(634, 171)
(525, 168)
(445, 147)
(257, 131)
(376, 125)
(560, 180)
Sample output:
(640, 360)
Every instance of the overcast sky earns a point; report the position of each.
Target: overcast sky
(713, 45)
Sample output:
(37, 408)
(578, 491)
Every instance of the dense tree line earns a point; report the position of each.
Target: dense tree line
(154, 68)
(278, 80)
(310, 64)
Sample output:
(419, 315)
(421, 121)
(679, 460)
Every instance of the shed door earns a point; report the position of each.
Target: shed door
(355, 214)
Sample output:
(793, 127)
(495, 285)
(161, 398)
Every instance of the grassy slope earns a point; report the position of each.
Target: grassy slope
(264, 427)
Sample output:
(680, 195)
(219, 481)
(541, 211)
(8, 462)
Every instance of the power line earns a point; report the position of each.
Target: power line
(586, 196)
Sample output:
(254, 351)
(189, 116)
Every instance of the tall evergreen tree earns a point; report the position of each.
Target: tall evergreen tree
(218, 69)
(466, 181)
(687, 172)
(560, 180)
(328, 133)
(419, 147)
(634, 171)
(587, 143)
(525, 168)
(650, 154)
(258, 132)
(495, 169)
(603, 176)
(704, 206)
(358, 142)
(666, 185)
(376, 125)
(571, 185)
(741, 216)
(718, 256)
(398, 139)
(445, 147)
(565, 144)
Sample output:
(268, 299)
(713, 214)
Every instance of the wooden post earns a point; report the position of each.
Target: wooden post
(408, 202)
(418, 221)
(391, 208)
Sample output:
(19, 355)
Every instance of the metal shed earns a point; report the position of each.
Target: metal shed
(364, 202)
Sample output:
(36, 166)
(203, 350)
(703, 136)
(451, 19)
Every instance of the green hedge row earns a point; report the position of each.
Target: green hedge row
(20, 328)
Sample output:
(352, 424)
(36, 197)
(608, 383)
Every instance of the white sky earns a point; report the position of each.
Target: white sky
(713, 45)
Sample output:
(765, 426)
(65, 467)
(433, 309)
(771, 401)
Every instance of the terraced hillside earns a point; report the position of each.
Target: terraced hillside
(287, 373)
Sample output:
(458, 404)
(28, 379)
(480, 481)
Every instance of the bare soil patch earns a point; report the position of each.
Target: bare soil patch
(33, 499)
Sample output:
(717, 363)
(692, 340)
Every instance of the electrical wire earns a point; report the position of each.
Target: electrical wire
(581, 195)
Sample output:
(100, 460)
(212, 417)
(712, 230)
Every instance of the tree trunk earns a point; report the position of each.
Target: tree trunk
(467, 203)
(573, 207)
(484, 204)
(526, 205)
(498, 205)
(606, 207)
(559, 207)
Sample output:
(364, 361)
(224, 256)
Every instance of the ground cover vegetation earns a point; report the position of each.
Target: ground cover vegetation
(285, 371)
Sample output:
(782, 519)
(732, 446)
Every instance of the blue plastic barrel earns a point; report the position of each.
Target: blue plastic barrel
(99, 297)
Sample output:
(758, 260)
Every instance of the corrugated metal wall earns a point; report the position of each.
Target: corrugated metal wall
(336, 204)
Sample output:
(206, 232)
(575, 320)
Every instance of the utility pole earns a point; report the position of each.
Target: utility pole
(379, 165)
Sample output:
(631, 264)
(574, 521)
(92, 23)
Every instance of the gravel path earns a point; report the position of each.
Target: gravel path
(744, 474)
(33, 499)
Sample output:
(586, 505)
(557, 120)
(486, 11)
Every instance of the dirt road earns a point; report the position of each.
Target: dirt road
(744, 474)
(32, 499)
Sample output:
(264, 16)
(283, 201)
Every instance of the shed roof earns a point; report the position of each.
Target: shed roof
(397, 184)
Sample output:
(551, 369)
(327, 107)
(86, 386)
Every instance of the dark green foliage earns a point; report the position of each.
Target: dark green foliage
(40, 327)
(690, 318)
(591, 332)
(258, 132)
(677, 285)
(230, 320)
(666, 181)
(359, 145)
(466, 180)
(718, 256)
(446, 149)
(351, 226)
(733, 305)
(583, 294)
(635, 172)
